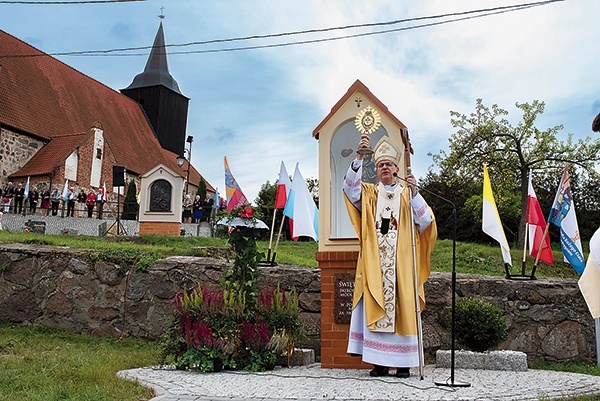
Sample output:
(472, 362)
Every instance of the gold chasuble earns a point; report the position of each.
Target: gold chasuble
(384, 271)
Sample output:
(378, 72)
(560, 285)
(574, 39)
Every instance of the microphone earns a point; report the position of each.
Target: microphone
(427, 191)
(450, 382)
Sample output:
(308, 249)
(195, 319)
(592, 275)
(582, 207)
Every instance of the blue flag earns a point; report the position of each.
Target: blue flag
(563, 215)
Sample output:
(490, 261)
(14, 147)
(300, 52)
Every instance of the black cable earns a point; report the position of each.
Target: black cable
(482, 13)
(365, 379)
(308, 31)
(67, 2)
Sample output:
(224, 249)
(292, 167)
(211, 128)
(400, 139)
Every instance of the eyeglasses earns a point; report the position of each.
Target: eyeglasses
(385, 164)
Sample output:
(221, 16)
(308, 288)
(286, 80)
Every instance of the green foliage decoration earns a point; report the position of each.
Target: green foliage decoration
(130, 205)
(243, 276)
(202, 189)
(479, 325)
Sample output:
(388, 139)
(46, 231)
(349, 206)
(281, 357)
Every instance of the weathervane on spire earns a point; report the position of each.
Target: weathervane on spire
(162, 12)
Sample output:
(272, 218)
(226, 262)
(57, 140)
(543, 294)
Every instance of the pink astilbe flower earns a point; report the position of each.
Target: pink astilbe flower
(213, 303)
(265, 299)
(202, 335)
(256, 336)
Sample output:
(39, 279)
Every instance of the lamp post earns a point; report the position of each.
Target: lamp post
(181, 160)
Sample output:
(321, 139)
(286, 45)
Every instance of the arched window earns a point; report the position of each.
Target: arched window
(343, 150)
(160, 196)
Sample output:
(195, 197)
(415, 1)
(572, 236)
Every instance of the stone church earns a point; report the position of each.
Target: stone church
(58, 124)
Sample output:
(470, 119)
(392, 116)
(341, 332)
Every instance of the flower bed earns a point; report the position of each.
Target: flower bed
(235, 325)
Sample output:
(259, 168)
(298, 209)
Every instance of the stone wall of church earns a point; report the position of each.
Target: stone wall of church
(547, 318)
(15, 151)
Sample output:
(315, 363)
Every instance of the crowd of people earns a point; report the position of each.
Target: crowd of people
(42, 201)
(197, 210)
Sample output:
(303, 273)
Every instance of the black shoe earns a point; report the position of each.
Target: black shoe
(403, 373)
(379, 371)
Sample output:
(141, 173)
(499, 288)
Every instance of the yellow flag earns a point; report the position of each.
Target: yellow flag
(491, 224)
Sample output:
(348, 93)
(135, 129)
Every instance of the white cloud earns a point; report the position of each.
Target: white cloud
(259, 107)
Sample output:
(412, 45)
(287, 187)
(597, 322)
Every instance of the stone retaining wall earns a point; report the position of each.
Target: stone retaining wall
(55, 286)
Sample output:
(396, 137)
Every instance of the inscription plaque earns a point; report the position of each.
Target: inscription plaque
(343, 292)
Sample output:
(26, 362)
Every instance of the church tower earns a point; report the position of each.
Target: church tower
(159, 95)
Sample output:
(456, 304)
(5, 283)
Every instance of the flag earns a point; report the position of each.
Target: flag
(283, 187)
(301, 209)
(65, 193)
(235, 196)
(26, 195)
(537, 227)
(491, 224)
(563, 215)
(589, 282)
(216, 199)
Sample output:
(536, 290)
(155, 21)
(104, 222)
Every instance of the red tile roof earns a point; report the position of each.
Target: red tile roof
(45, 98)
(45, 161)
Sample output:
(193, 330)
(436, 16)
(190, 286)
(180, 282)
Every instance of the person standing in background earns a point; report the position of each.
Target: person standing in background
(8, 196)
(81, 202)
(71, 198)
(19, 196)
(45, 200)
(90, 202)
(34, 197)
(100, 203)
(55, 201)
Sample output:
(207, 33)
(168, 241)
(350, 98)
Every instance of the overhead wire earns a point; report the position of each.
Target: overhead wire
(68, 2)
(464, 15)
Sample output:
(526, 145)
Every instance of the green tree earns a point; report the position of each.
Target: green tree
(265, 202)
(486, 136)
(313, 187)
(130, 205)
(202, 189)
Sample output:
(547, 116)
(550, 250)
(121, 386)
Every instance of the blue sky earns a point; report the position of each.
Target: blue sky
(259, 107)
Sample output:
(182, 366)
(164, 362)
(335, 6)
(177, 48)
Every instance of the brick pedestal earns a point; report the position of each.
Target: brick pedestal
(334, 336)
(160, 228)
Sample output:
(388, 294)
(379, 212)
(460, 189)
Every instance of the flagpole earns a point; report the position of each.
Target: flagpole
(539, 253)
(524, 249)
(271, 238)
(278, 237)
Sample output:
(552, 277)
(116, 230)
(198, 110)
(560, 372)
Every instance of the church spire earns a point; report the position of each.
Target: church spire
(158, 94)
(156, 71)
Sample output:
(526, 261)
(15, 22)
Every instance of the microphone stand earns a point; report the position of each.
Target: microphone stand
(449, 382)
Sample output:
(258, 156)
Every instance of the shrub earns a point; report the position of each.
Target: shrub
(479, 325)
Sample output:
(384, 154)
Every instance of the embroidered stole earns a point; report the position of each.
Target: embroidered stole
(388, 213)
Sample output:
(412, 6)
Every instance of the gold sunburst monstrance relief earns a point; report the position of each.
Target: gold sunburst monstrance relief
(367, 121)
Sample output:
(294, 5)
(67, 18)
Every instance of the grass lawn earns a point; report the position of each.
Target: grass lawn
(48, 364)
